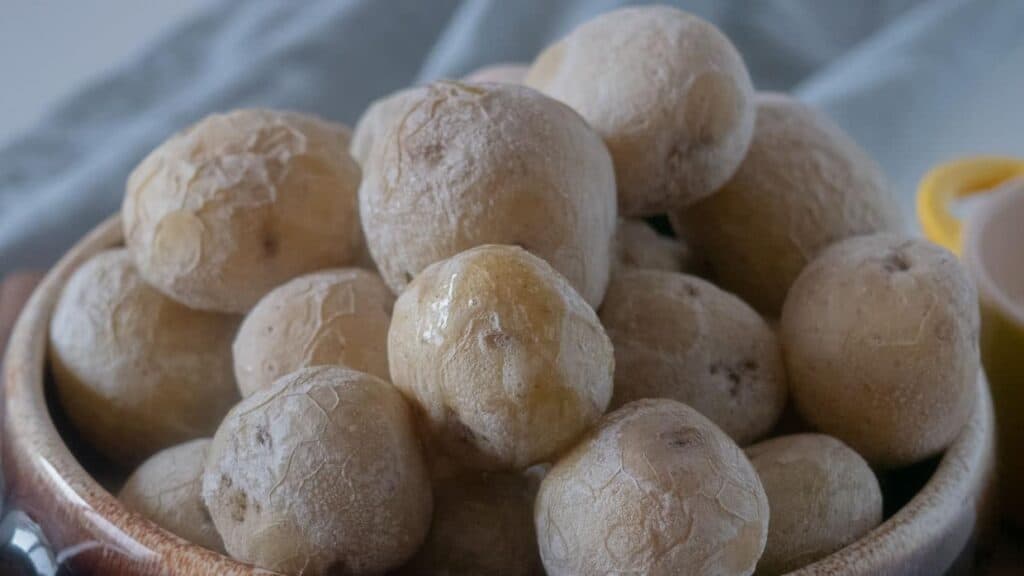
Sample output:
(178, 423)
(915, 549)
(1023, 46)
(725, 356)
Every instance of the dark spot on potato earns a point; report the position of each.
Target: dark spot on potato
(263, 436)
(896, 261)
(691, 290)
(680, 438)
(238, 504)
(497, 339)
(408, 276)
(271, 245)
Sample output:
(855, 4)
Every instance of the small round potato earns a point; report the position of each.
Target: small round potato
(508, 73)
(137, 372)
(332, 317)
(483, 524)
(803, 185)
(474, 164)
(822, 496)
(880, 338)
(168, 489)
(640, 246)
(669, 94)
(239, 203)
(506, 362)
(677, 336)
(377, 119)
(320, 474)
(656, 489)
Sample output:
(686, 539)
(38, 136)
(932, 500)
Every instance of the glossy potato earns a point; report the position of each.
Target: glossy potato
(505, 361)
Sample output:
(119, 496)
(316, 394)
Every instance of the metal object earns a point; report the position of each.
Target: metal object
(24, 550)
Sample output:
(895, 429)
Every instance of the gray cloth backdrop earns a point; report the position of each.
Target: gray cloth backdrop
(916, 82)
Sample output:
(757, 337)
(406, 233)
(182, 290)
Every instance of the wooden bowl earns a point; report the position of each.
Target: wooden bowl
(932, 533)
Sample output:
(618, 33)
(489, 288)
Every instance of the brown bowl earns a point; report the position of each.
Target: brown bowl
(931, 533)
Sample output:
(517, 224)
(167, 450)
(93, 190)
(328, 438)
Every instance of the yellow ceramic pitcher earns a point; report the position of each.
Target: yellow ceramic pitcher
(991, 245)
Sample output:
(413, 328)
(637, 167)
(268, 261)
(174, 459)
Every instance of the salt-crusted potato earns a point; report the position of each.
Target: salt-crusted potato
(319, 474)
(335, 317)
(505, 361)
(135, 371)
(483, 524)
(666, 90)
(880, 339)
(167, 488)
(640, 246)
(803, 185)
(239, 203)
(474, 164)
(656, 489)
(508, 72)
(377, 119)
(822, 495)
(677, 336)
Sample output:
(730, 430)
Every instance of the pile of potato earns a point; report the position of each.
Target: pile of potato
(449, 343)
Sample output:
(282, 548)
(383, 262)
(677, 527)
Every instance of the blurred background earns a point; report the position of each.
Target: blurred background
(89, 87)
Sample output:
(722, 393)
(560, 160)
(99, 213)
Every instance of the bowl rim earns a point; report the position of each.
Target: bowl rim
(933, 527)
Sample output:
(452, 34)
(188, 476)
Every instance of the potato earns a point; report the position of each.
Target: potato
(803, 185)
(167, 488)
(336, 316)
(656, 489)
(319, 474)
(377, 119)
(239, 203)
(640, 246)
(666, 90)
(483, 524)
(508, 73)
(505, 361)
(880, 339)
(473, 164)
(677, 336)
(135, 371)
(822, 496)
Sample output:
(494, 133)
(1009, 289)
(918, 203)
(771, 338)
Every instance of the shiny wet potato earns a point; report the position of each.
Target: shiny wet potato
(505, 361)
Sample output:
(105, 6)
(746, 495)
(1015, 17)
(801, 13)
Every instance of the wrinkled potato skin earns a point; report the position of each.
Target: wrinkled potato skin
(378, 118)
(475, 164)
(228, 209)
(337, 317)
(319, 474)
(640, 246)
(655, 489)
(822, 495)
(880, 339)
(509, 73)
(506, 362)
(677, 336)
(168, 489)
(483, 524)
(666, 90)
(135, 371)
(803, 185)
